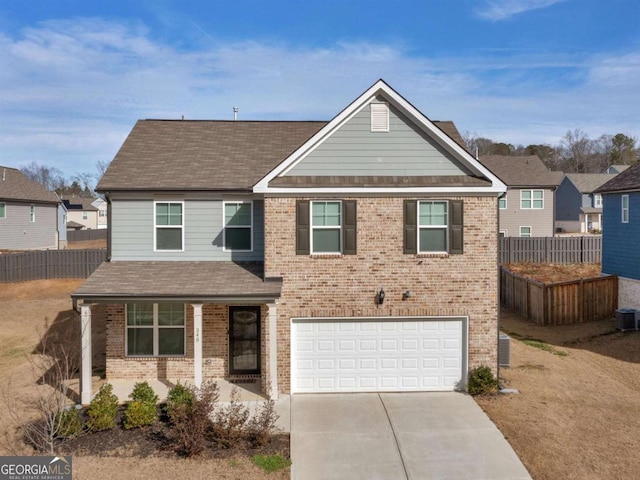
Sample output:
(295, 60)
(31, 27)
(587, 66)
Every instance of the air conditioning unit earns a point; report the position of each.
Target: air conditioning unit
(627, 319)
(504, 350)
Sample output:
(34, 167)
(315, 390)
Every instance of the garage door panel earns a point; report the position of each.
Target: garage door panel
(372, 355)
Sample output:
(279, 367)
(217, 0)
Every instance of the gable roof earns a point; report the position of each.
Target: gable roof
(14, 185)
(202, 154)
(522, 171)
(80, 203)
(629, 180)
(272, 182)
(589, 182)
(618, 168)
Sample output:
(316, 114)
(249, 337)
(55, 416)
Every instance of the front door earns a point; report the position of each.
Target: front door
(244, 340)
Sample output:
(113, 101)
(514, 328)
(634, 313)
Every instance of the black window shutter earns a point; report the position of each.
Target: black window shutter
(349, 227)
(302, 227)
(456, 227)
(410, 237)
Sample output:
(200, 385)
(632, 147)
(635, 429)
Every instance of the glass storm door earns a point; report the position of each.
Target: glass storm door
(244, 340)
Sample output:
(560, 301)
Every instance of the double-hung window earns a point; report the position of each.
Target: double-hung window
(502, 202)
(155, 329)
(3, 210)
(169, 226)
(238, 226)
(525, 231)
(32, 213)
(326, 227)
(531, 199)
(625, 208)
(597, 200)
(433, 226)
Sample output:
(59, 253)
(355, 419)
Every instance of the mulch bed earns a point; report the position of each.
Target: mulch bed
(555, 272)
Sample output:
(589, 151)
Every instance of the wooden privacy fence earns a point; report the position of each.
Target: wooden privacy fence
(562, 303)
(83, 235)
(551, 249)
(45, 264)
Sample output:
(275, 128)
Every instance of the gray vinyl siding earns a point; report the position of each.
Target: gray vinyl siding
(541, 221)
(132, 230)
(17, 232)
(354, 150)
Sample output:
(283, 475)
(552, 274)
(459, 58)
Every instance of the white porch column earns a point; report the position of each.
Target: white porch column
(273, 350)
(85, 375)
(197, 344)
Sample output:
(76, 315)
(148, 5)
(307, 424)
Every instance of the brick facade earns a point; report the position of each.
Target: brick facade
(345, 285)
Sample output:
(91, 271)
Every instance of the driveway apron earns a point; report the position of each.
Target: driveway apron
(397, 436)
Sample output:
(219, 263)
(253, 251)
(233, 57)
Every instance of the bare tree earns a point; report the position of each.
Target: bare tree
(576, 151)
(41, 417)
(50, 177)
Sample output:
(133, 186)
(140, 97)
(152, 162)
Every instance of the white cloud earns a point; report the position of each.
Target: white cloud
(73, 89)
(502, 9)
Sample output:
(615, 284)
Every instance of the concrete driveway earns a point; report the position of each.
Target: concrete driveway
(397, 436)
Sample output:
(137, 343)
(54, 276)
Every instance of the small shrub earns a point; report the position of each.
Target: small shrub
(262, 424)
(141, 411)
(482, 381)
(192, 420)
(103, 409)
(179, 397)
(68, 423)
(270, 463)
(230, 422)
(139, 414)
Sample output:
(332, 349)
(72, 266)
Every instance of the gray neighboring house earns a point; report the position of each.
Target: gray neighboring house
(578, 208)
(28, 213)
(528, 207)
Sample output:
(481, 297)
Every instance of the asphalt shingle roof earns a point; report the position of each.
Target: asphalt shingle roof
(210, 154)
(588, 182)
(627, 180)
(522, 171)
(178, 280)
(14, 185)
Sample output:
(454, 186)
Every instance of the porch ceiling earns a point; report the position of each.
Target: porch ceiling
(212, 282)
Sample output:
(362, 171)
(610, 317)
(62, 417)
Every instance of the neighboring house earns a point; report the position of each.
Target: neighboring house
(28, 213)
(621, 234)
(101, 205)
(81, 211)
(353, 255)
(616, 168)
(527, 209)
(578, 208)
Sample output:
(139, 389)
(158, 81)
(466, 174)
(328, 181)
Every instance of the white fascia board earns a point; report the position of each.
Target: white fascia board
(494, 190)
(399, 102)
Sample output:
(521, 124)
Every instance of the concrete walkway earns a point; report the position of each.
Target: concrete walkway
(397, 436)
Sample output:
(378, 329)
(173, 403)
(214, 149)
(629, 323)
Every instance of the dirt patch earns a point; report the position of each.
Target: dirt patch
(576, 416)
(31, 311)
(555, 272)
(102, 243)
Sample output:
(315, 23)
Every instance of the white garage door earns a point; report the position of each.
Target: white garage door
(374, 355)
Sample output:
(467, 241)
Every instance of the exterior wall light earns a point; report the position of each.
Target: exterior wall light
(406, 295)
(380, 296)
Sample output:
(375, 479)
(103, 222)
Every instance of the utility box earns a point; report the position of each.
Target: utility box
(626, 319)
(504, 350)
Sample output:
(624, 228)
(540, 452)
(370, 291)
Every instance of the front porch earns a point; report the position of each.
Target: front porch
(192, 321)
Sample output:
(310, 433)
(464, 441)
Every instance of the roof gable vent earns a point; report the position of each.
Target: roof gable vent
(379, 117)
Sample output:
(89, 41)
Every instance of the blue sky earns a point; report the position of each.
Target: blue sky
(76, 75)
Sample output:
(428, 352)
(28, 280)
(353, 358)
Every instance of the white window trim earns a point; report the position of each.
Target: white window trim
(531, 199)
(32, 213)
(439, 227)
(325, 227)
(379, 117)
(530, 231)
(597, 200)
(624, 210)
(225, 226)
(504, 197)
(4, 211)
(156, 335)
(155, 226)
(504, 233)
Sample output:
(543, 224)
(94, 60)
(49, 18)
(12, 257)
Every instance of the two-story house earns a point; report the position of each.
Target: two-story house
(621, 233)
(578, 208)
(358, 254)
(527, 209)
(29, 213)
(82, 214)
